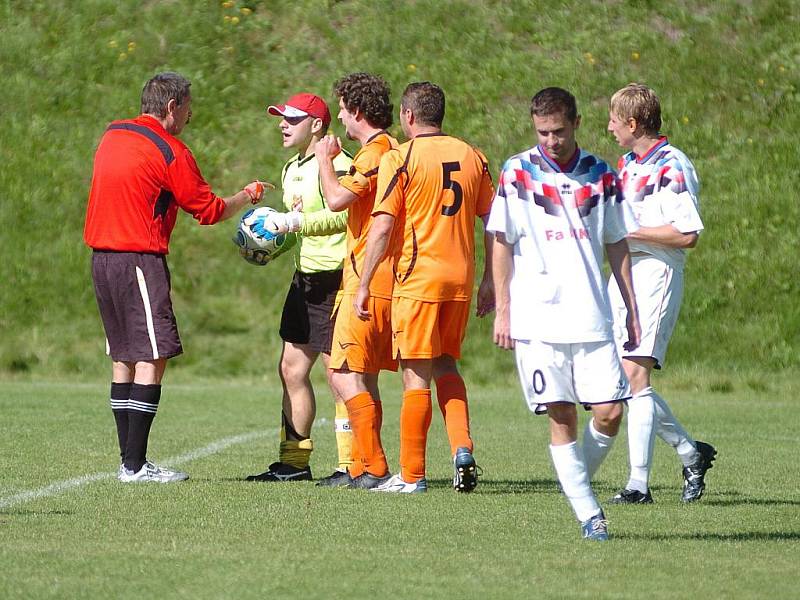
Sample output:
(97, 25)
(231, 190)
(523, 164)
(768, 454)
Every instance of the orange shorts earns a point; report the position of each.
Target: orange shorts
(363, 346)
(423, 329)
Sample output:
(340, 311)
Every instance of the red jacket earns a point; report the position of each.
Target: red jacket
(142, 174)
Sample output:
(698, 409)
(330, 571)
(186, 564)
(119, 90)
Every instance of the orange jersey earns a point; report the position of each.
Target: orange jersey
(362, 180)
(435, 186)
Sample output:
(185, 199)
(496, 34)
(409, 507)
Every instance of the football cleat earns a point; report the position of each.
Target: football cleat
(368, 481)
(337, 479)
(595, 528)
(694, 477)
(120, 472)
(279, 471)
(627, 496)
(396, 485)
(465, 471)
(151, 472)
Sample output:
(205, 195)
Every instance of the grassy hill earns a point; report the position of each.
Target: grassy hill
(727, 72)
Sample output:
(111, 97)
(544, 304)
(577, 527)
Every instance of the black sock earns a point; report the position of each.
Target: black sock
(120, 392)
(141, 412)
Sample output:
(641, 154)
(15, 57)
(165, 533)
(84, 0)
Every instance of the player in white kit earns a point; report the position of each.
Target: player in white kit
(556, 209)
(660, 185)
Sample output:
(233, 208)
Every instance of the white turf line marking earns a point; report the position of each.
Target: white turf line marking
(63, 486)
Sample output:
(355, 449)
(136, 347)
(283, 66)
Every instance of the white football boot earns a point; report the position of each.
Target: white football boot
(151, 472)
(396, 485)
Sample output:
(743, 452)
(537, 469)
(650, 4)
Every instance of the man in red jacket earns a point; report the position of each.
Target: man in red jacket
(142, 175)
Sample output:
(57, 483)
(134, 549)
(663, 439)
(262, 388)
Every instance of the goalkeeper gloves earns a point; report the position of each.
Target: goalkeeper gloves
(284, 222)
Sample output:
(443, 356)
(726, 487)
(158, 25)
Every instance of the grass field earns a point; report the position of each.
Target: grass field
(728, 73)
(216, 536)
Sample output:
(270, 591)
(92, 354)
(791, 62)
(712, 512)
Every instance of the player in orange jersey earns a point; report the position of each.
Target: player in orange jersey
(430, 190)
(360, 348)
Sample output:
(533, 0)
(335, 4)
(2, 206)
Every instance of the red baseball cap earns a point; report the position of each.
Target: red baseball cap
(301, 105)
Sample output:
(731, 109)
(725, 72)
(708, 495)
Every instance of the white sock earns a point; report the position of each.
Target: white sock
(574, 480)
(670, 430)
(641, 435)
(596, 446)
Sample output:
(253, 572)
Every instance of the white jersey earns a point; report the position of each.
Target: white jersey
(662, 188)
(559, 221)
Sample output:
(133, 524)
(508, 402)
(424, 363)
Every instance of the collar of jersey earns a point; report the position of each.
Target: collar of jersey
(419, 135)
(304, 160)
(151, 122)
(568, 167)
(662, 141)
(384, 132)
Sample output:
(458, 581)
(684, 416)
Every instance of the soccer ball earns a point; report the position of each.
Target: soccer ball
(257, 246)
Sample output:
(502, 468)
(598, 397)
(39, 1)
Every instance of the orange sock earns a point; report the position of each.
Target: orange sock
(452, 396)
(365, 423)
(415, 419)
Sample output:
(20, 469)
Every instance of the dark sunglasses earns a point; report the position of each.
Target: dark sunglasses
(295, 120)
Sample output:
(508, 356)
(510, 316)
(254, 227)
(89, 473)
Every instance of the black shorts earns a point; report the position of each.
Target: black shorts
(132, 290)
(307, 312)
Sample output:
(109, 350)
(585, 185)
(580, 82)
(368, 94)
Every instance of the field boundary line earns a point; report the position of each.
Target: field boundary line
(70, 484)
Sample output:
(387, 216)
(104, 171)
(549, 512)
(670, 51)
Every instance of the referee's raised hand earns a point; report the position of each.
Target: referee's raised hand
(255, 190)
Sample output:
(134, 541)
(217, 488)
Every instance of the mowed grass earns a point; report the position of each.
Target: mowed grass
(217, 536)
(727, 72)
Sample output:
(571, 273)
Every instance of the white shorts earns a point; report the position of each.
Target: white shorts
(584, 373)
(659, 291)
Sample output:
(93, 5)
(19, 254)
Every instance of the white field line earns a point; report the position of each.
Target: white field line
(63, 486)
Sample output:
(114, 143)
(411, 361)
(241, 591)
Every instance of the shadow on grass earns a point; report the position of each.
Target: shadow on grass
(506, 486)
(750, 501)
(36, 513)
(742, 536)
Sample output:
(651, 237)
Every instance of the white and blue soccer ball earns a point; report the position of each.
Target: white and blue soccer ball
(259, 244)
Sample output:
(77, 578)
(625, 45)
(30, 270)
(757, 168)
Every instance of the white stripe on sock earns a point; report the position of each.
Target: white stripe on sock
(142, 406)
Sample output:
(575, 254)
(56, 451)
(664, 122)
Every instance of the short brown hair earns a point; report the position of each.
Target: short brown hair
(552, 100)
(637, 101)
(426, 101)
(161, 89)
(368, 94)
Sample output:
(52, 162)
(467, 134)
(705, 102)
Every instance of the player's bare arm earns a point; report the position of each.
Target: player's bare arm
(486, 288)
(380, 232)
(665, 235)
(336, 196)
(619, 259)
(502, 269)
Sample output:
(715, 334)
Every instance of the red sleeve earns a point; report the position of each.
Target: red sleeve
(191, 191)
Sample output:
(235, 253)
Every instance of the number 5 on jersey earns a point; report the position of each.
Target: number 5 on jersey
(448, 183)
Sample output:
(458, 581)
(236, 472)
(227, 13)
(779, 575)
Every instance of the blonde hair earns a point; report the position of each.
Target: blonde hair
(637, 101)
